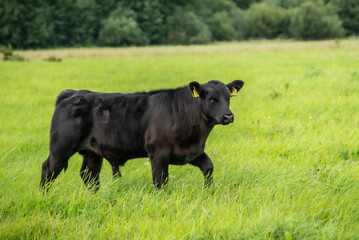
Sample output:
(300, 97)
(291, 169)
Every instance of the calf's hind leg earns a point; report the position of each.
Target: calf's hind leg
(159, 166)
(116, 164)
(90, 170)
(116, 171)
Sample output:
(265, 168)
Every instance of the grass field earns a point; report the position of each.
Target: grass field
(287, 168)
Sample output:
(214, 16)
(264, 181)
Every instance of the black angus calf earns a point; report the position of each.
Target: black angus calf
(168, 126)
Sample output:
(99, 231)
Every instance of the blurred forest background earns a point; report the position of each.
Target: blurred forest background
(37, 24)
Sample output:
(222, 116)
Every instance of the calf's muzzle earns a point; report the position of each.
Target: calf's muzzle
(228, 118)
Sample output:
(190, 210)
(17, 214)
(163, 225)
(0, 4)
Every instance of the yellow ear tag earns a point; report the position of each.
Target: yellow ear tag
(234, 92)
(195, 93)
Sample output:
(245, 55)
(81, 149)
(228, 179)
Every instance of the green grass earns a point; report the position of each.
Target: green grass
(287, 168)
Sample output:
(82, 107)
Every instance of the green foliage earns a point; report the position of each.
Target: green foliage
(15, 27)
(121, 29)
(8, 54)
(75, 22)
(186, 28)
(265, 21)
(239, 23)
(287, 168)
(224, 19)
(227, 25)
(89, 26)
(287, 4)
(53, 59)
(314, 20)
(57, 23)
(149, 18)
(348, 11)
(244, 4)
(222, 27)
(6, 51)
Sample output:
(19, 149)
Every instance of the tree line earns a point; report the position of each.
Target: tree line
(70, 23)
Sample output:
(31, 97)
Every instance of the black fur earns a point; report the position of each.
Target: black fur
(168, 126)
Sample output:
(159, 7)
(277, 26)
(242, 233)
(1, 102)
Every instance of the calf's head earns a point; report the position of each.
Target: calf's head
(214, 98)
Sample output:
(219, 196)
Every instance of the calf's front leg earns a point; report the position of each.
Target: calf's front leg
(205, 164)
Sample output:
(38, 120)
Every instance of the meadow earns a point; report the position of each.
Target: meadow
(287, 168)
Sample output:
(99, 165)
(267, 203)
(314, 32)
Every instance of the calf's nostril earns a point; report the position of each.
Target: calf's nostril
(228, 117)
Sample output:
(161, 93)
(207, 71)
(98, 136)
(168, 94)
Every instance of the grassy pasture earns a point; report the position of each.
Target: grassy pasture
(287, 168)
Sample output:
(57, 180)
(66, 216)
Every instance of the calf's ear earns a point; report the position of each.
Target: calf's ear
(235, 86)
(195, 89)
